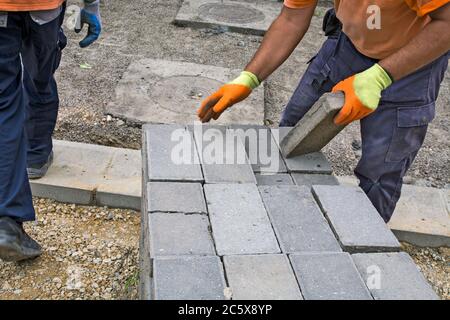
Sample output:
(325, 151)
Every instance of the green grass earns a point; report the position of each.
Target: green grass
(132, 281)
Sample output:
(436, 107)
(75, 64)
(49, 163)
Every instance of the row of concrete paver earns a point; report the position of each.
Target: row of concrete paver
(309, 276)
(275, 240)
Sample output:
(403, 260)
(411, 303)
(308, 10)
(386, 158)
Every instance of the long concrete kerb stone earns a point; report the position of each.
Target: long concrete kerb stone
(236, 16)
(421, 217)
(160, 91)
(89, 174)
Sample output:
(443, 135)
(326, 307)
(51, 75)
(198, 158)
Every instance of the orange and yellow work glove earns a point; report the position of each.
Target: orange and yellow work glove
(227, 95)
(362, 94)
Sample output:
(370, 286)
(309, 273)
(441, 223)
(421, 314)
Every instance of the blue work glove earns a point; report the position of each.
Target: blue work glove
(90, 15)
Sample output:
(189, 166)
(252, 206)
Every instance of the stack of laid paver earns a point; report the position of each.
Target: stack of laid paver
(247, 230)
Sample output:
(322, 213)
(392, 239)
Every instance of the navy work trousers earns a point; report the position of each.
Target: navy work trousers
(29, 56)
(391, 136)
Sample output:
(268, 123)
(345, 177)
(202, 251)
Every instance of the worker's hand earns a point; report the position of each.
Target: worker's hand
(90, 15)
(362, 94)
(228, 95)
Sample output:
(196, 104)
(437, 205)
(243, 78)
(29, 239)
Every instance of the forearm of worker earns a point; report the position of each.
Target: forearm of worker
(281, 39)
(431, 43)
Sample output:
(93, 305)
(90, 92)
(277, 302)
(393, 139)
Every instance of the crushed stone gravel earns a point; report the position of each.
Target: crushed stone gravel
(434, 263)
(90, 253)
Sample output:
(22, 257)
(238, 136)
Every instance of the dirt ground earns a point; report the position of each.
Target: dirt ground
(143, 28)
(89, 253)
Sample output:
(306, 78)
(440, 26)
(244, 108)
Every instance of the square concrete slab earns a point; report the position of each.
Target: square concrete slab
(274, 179)
(261, 277)
(421, 217)
(244, 16)
(179, 234)
(172, 154)
(262, 149)
(316, 129)
(329, 276)
(159, 91)
(354, 219)
(393, 276)
(188, 278)
(297, 220)
(222, 155)
(176, 197)
(310, 180)
(239, 220)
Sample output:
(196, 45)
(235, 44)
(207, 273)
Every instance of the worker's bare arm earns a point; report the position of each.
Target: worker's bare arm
(431, 43)
(284, 35)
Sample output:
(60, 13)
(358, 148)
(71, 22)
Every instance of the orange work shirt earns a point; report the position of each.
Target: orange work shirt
(29, 5)
(378, 28)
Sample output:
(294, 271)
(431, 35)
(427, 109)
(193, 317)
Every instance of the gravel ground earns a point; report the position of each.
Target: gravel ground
(89, 253)
(435, 265)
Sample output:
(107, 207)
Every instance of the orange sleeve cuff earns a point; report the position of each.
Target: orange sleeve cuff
(424, 7)
(299, 4)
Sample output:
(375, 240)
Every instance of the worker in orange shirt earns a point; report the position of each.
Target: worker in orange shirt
(388, 58)
(31, 41)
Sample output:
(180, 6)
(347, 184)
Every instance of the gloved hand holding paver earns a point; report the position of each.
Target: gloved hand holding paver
(390, 76)
(362, 94)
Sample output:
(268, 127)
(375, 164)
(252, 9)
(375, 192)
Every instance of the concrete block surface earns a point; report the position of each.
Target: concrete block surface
(161, 91)
(316, 129)
(262, 149)
(310, 180)
(188, 278)
(179, 234)
(223, 156)
(239, 220)
(393, 276)
(237, 16)
(274, 179)
(329, 276)
(312, 163)
(176, 197)
(92, 175)
(172, 154)
(354, 219)
(261, 277)
(121, 187)
(297, 220)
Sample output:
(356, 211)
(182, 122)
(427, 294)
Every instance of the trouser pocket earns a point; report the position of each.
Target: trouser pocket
(409, 134)
(62, 43)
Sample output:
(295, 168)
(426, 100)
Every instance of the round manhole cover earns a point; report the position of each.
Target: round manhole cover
(182, 94)
(230, 13)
